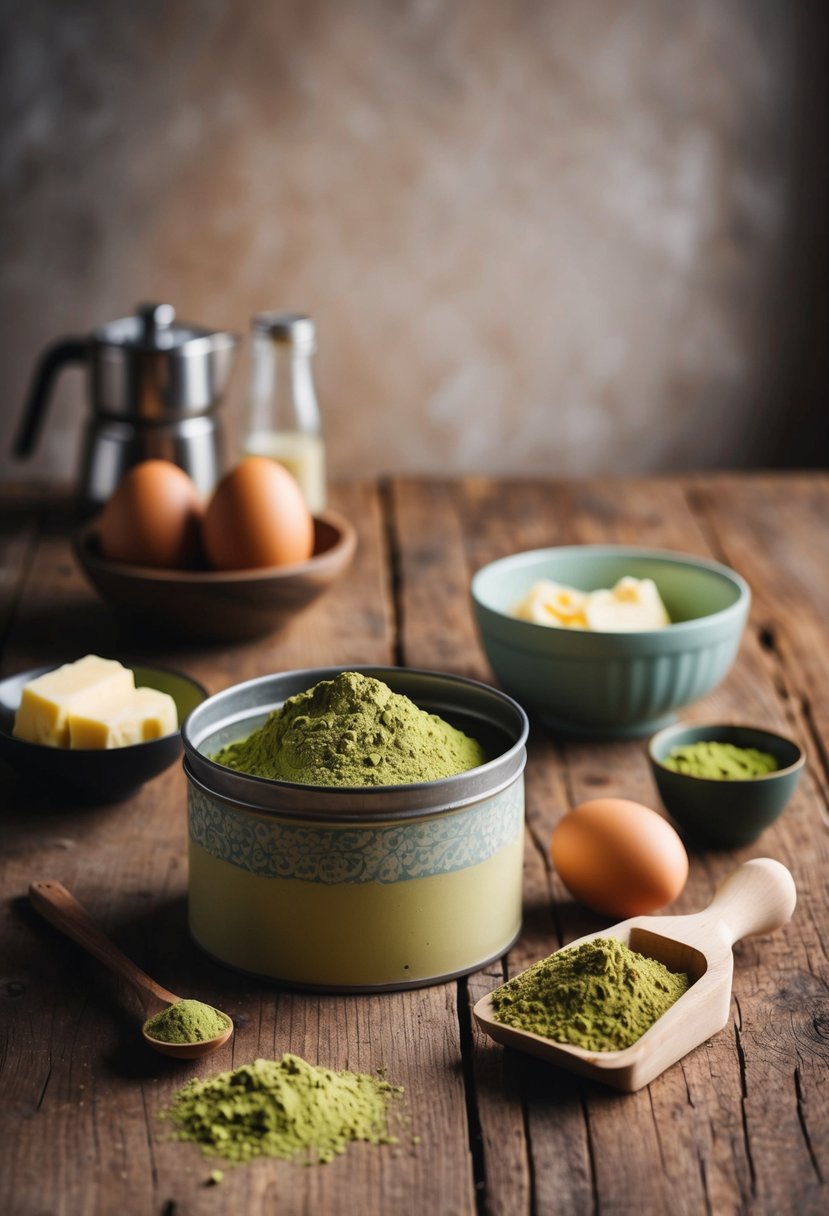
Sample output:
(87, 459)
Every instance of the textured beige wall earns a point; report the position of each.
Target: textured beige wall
(536, 237)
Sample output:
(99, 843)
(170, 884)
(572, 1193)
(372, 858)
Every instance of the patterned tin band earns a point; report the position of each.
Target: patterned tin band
(357, 854)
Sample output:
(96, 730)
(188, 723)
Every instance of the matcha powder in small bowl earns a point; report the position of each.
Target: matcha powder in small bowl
(718, 761)
(284, 1108)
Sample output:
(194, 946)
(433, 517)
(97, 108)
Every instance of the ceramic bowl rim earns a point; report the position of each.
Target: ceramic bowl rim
(668, 556)
(343, 546)
(678, 728)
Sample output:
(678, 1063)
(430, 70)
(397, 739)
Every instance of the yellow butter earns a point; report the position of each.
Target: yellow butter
(549, 603)
(146, 714)
(632, 605)
(47, 702)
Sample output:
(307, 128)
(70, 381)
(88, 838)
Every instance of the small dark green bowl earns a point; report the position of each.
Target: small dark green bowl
(725, 814)
(96, 775)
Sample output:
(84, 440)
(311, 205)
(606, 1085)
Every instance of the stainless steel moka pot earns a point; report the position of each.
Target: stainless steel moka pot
(154, 388)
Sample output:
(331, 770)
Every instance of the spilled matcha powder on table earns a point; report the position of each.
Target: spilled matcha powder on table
(601, 995)
(720, 761)
(282, 1108)
(353, 731)
(187, 1022)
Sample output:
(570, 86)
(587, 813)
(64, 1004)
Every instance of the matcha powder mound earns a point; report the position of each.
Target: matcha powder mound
(720, 761)
(353, 731)
(601, 995)
(282, 1108)
(187, 1022)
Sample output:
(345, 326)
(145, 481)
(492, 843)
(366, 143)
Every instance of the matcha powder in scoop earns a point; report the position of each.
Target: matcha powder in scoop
(353, 731)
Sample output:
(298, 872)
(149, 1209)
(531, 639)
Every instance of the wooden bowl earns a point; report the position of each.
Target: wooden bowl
(218, 605)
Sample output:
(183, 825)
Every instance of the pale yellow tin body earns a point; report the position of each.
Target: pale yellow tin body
(357, 890)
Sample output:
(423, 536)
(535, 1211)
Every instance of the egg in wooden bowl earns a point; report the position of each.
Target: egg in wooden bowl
(255, 517)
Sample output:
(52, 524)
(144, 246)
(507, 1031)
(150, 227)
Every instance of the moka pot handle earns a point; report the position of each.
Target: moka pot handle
(52, 361)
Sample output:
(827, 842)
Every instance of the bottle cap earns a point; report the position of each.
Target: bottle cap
(294, 327)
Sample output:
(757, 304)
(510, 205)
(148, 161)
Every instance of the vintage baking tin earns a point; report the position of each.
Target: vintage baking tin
(357, 889)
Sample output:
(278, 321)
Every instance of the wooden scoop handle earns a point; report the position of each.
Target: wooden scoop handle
(53, 901)
(758, 897)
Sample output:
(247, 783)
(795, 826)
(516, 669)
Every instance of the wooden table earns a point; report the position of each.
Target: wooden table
(740, 1125)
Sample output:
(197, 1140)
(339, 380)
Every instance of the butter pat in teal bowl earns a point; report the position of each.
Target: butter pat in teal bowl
(725, 813)
(611, 685)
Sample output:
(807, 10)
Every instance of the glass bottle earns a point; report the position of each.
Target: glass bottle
(283, 417)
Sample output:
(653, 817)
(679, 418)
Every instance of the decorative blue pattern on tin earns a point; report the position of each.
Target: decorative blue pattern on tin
(439, 845)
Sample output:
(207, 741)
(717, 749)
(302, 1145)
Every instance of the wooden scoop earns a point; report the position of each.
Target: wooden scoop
(61, 909)
(758, 897)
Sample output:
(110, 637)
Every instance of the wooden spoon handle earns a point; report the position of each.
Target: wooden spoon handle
(758, 897)
(53, 901)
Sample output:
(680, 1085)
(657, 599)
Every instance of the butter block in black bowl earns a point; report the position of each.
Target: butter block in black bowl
(99, 775)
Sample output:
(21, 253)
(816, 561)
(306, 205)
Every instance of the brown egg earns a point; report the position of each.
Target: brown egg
(619, 857)
(257, 517)
(153, 518)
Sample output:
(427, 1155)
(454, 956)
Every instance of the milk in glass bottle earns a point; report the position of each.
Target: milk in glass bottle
(283, 416)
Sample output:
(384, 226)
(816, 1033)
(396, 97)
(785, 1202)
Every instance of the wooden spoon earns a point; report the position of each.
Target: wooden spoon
(62, 910)
(758, 897)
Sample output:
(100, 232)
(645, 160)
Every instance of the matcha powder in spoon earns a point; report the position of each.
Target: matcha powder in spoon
(282, 1108)
(187, 1022)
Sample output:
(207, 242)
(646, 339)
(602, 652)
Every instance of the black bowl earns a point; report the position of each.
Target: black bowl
(100, 775)
(723, 814)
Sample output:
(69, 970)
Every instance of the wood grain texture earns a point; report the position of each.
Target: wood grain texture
(740, 1125)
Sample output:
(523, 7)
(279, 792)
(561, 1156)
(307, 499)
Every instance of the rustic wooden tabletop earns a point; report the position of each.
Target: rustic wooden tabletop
(739, 1125)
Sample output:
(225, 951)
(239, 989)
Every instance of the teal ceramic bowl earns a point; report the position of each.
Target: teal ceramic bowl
(611, 685)
(725, 814)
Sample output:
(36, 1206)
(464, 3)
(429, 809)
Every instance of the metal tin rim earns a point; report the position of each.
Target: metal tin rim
(342, 818)
(257, 697)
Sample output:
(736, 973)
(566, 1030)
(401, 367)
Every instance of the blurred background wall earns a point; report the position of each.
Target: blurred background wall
(556, 236)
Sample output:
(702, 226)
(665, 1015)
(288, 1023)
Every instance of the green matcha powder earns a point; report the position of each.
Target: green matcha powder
(601, 995)
(282, 1108)
(720, 761)
(187, 1022)
(353, 731)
